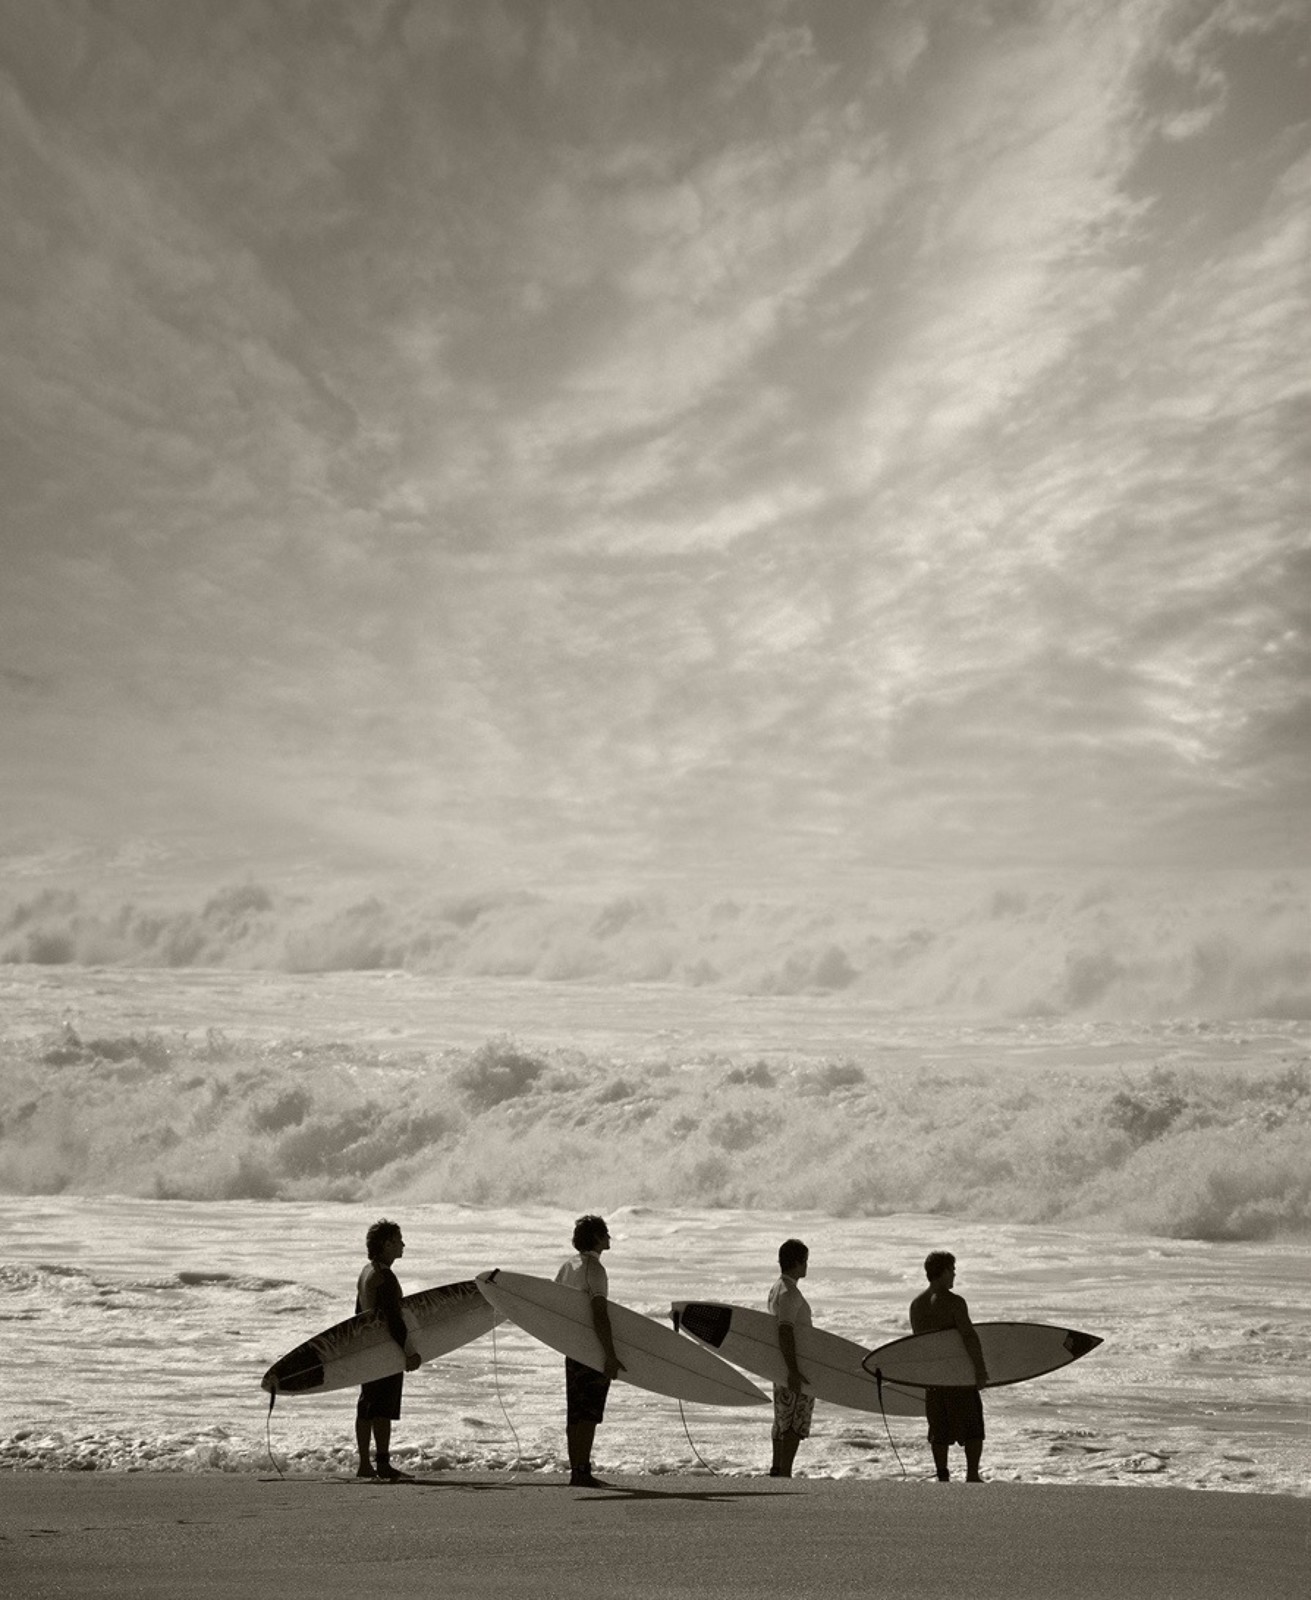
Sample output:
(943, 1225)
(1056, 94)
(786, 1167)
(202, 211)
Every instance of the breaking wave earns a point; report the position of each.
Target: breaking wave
(1219, 946)
(1218, 1152)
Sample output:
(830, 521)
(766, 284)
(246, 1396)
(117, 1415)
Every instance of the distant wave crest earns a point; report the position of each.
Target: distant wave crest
(1219, 946)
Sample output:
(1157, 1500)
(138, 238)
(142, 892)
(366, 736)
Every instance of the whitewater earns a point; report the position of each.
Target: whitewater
(190, 1157)
(137, 1333)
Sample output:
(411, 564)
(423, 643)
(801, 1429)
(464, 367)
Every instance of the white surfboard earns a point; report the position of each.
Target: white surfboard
(654, 1357)
(361, 1348)
(1012, 1352)
(830, 1364)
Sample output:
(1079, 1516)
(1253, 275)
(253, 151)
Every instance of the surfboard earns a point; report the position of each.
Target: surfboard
(831, 1364)
(361, 1348)
(654, 1357)
(1012, 1351)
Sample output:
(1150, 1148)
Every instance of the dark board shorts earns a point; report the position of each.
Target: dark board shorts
(585, 1390)
(955, 1415)
(381, 1398)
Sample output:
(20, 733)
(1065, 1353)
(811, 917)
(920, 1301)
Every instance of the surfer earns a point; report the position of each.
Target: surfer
(379, 1404)
(586, 1388)
(955, 1415)
(792, 1408)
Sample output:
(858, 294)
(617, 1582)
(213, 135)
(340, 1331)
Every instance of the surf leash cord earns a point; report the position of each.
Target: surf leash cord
(496, 1380)
(268, 1435)
(675, 1319)
(878, 1380)
(690, 1441)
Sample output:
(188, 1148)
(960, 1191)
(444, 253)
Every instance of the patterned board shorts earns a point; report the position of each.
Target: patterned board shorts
(792, 1413)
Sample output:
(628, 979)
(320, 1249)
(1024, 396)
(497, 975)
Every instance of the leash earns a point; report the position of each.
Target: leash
(878, 1380)
(268, 1438)
(496, 1380)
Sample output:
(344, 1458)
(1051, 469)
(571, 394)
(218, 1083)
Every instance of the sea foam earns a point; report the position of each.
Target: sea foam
(1178, 1130)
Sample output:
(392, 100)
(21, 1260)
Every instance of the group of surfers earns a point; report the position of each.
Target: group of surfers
(955, 1416)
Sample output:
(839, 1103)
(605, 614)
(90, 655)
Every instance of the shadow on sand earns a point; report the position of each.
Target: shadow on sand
(615, 1492)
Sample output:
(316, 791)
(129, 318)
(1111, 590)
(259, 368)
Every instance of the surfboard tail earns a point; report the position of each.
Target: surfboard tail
(298, 1372)
(709, 1323)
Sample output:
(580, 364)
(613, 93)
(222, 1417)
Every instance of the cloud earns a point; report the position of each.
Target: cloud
(672, 432)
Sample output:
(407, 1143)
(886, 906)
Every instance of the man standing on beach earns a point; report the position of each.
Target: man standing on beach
(586, 1388)
(955, 1415)
(792, 1408)
(379, 1404)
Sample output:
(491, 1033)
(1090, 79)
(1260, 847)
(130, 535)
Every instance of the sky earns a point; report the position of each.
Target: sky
(579, 438)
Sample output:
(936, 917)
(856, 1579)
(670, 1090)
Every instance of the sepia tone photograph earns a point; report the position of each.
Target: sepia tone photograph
(655, 798)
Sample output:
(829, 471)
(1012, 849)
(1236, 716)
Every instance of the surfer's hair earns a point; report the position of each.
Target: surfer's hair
(589, 1231)
(791, 1253)
(937, 1262)
(378, 1235)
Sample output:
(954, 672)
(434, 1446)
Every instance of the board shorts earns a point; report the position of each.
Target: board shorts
(381, 1398)
(792, 1412)
(955, 1415)
(585, 1390)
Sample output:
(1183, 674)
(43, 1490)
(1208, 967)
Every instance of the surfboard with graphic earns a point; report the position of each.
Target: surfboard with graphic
(362, 1349)
(831, 1365)
(1012, 1351)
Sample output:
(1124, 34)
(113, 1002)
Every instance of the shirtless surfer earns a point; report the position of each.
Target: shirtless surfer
(379, 1404)
(955, 1415)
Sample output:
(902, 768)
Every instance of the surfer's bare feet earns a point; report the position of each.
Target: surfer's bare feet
(394, 1475)
(365, 1472)
(583, 1479)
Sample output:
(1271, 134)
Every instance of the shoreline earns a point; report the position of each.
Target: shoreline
(184, 1536)
(172, 1311)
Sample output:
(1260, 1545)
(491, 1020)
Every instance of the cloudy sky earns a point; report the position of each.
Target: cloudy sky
(786, 436)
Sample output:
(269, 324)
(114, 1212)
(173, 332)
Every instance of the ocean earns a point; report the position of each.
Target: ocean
(190, 1159)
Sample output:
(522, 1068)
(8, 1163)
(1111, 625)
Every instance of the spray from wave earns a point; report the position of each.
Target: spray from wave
(1222, 946)
(1011, 1128)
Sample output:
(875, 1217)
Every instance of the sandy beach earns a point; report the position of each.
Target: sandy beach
(164, 1536)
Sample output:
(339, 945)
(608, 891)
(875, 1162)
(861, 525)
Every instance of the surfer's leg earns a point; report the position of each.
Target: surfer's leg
(579, 1436)
(585, 1392)
(973, 1456)
(785, 1453)
(792, 1413)
(363, 1433)
(938, 1411)
(382, 1443)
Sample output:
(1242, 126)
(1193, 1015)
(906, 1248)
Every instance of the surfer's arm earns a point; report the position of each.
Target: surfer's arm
(601, 1322)
(973, 1349)
(596, 1284)
(787, 1343)
(388, 1305)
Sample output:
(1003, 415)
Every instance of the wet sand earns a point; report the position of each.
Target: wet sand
(164, 1536)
